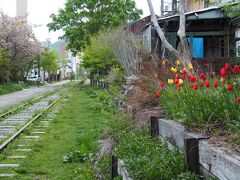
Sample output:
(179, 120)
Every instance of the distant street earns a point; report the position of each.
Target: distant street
(20, 96)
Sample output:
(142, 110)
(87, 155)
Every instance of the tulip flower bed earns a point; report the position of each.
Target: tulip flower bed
(206, 101)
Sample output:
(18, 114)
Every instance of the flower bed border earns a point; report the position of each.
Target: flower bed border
(202, 157)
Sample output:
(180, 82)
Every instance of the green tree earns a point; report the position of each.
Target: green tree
(48, 61)
(98, 56)
(5, 69)
(80, 19)
(232, 9)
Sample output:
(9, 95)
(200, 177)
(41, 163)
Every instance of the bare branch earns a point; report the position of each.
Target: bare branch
(164, 41)
(184, 57)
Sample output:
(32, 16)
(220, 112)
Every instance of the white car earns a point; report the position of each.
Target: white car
(32, 78)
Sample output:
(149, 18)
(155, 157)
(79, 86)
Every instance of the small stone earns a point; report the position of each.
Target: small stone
(16, 157)
(9, 165)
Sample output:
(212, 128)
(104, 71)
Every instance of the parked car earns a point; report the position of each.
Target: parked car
(32, 78)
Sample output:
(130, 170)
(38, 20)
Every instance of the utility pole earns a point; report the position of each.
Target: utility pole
(162, 8)
(174, 6)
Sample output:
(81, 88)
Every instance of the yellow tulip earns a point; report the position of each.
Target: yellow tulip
(163, 62)
(180, 81)
(178, 62)
(190, 66)
(170, 81)
(173, 69)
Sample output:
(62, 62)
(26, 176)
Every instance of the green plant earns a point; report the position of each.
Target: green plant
(77, 156)
(103, 100)
(212, 108)
(149, 158)
(116, 75)
(10, 87)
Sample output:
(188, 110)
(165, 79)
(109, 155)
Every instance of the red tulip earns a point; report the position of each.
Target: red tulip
(161, 84)
(202, 84)
(203, 76)
(176, 81)
(236, 69)
(177, 76)
(238, 100)
(223, 72)
(189, 77)
(195, 87)
(158, 94)
(184, 71)
(183, 76)
(192, 79)
(229, 87)
(227, 67)
(207, 83)
(215, 84)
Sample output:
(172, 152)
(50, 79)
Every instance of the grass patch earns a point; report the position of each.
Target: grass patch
(8, 88)
(150, 158)
(66, 151)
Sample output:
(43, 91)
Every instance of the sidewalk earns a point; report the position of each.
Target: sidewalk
(20, 96)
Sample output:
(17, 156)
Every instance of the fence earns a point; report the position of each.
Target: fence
(99, 83)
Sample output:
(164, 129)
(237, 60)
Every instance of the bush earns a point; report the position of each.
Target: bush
(116, 75)
(8, 88)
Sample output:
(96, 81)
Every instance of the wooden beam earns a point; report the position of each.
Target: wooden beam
(191, 154)
(154, 126)
(114, 167)
(209, 33)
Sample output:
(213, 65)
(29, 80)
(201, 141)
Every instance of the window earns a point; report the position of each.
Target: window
(238, 48)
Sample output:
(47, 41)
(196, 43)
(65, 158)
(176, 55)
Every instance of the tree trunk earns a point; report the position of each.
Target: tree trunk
(182, 35)
(184, 56)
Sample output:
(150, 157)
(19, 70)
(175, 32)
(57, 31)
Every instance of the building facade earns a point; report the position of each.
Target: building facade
(68, 64)
(21, 8)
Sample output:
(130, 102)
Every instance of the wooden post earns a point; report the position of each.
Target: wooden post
(154, 126)
(114, 167)
(191, 154)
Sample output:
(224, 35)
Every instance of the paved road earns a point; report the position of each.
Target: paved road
(20, 96)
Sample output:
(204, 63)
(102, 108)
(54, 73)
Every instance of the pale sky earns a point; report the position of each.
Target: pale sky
(40, 10)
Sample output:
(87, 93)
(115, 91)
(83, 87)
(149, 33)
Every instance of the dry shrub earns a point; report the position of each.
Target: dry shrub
(151, 73)
(142, 116)
(139, 98)
(145, 67)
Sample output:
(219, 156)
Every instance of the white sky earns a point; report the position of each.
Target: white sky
(40, 10)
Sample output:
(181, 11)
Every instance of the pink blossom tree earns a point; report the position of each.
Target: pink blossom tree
(18, 41)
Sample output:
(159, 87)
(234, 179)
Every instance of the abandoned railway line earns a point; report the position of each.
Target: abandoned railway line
(18, 120)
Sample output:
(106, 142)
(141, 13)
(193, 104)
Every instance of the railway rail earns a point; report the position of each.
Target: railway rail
(12, 125)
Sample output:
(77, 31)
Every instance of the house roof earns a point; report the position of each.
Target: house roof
(137, 26)
(206, 13)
